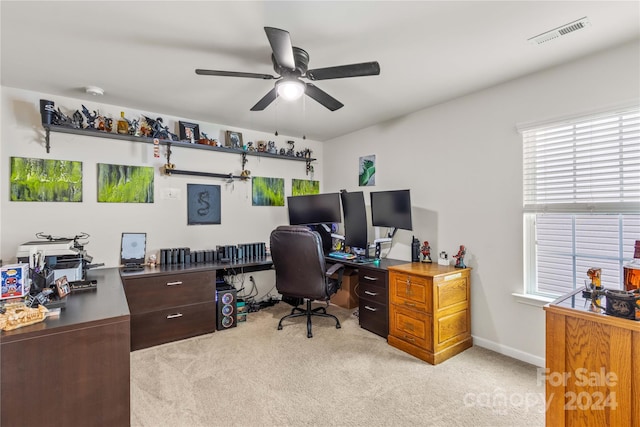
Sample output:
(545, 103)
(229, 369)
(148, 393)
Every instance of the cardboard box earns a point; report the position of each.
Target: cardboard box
(15, 281)
(346, 296)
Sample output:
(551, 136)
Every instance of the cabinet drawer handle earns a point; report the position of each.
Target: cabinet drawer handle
(409, 338)
(173, 283)
(173, 316)
(410, 304)
(371, 278)
(373, 294)
(370, 308)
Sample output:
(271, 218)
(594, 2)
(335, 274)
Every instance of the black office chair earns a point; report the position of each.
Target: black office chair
(301, 271)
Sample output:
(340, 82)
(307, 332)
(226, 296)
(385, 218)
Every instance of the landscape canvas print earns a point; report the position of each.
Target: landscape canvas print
(125, 184)
(44, 180)
(302, 187)
(267, 191)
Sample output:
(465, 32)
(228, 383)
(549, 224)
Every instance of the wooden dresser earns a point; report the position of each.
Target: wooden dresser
(592, 374)
(170, 305)
(429, 310)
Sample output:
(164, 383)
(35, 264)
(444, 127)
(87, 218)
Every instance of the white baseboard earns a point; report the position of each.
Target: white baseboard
(509, 351)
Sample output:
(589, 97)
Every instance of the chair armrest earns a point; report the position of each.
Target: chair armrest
(334, 268)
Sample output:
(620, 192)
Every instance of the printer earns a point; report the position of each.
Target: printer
(61, 257)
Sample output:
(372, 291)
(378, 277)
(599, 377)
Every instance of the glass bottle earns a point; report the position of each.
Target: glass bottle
(632, 270)
(123, 125)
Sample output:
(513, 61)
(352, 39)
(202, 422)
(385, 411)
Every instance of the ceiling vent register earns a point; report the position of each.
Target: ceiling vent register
(560, 31)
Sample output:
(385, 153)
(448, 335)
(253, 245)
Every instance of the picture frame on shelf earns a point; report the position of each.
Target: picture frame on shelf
(189, 132)
(233, 139)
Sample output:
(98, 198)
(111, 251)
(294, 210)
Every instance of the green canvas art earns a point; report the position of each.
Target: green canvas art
(267, 191)
(301, 187)
(125, 184)
(43, 180)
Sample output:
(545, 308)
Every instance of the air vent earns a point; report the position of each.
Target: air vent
(560, 31)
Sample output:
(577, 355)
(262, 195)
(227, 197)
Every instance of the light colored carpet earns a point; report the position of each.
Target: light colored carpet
(256, 375)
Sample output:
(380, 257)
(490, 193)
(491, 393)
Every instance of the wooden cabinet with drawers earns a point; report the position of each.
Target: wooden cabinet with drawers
(429, 310)
(170, 306)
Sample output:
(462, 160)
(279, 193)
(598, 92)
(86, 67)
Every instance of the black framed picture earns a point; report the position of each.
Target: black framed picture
(189, 132)
(203, 204)
(233, 139)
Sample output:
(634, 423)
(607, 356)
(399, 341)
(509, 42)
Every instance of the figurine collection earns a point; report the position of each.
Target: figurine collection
(147, 127)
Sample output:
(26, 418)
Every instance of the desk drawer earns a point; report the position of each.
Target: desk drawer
(159, 327)
(372, 277)
(153, 293)
(374, 317)
(411, 291)
(411, 326)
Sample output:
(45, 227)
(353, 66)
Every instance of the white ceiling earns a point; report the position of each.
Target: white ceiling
(143, 54)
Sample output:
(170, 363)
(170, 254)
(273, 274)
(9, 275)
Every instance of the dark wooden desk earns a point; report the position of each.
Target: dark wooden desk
(72, 369)
(373, 292)
(173, 302)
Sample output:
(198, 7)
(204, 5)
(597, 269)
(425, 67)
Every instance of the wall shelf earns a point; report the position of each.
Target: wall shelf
(101, 134)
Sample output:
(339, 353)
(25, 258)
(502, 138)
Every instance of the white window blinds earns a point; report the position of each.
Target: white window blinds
(589, 164)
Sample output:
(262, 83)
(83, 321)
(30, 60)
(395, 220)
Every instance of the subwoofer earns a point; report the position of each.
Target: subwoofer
(226, 310)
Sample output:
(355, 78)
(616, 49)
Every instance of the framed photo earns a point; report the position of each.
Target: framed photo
(189, 132)
(62, 286)
(203, 206)
(233, 139)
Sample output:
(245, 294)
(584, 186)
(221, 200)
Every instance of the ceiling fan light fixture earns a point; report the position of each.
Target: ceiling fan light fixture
(290, 89)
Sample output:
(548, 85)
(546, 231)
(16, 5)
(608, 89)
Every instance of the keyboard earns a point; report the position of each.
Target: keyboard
(364, 260)
(341, 255)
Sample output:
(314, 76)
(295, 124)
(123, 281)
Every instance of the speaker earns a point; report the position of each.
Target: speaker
(226, 310)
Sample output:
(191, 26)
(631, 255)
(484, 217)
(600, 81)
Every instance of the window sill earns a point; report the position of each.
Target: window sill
(534, 300)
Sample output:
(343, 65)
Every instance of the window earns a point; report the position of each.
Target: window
(581, 199)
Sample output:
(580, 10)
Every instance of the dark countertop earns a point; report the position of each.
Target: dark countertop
(261, 264)
(106, 304)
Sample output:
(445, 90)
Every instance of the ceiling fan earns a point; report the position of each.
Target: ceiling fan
(291, 65)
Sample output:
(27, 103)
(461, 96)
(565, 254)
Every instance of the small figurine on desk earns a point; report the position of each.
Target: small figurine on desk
(152, 260)
(426, 252)
(460, 257)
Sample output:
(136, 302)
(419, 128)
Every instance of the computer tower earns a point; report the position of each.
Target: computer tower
(226, 310)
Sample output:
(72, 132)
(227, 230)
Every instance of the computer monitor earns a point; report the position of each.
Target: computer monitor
(355, 219)
(391, 209)
(314, 209)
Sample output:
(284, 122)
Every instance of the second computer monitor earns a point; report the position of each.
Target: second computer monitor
(355, 219)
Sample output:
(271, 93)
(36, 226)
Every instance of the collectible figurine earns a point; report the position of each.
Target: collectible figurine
(134, 129)
(61, 119)
(291, 152)
(77, 120)
(271, 147)
(460, 257)
(91, 118)
(426, 252)
(158, 130)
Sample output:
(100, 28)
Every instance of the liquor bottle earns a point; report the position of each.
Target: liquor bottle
(632, 270)
(123, 125)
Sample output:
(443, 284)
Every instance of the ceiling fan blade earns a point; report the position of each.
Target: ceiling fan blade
(342, 71)
(233, 74)
(280, 42)
(323, 97)
(266, 100)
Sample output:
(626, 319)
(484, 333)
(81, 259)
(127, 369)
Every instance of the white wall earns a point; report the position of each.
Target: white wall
(462, 161)
(165, 220)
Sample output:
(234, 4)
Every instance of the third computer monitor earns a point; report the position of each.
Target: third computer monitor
(391, 209)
